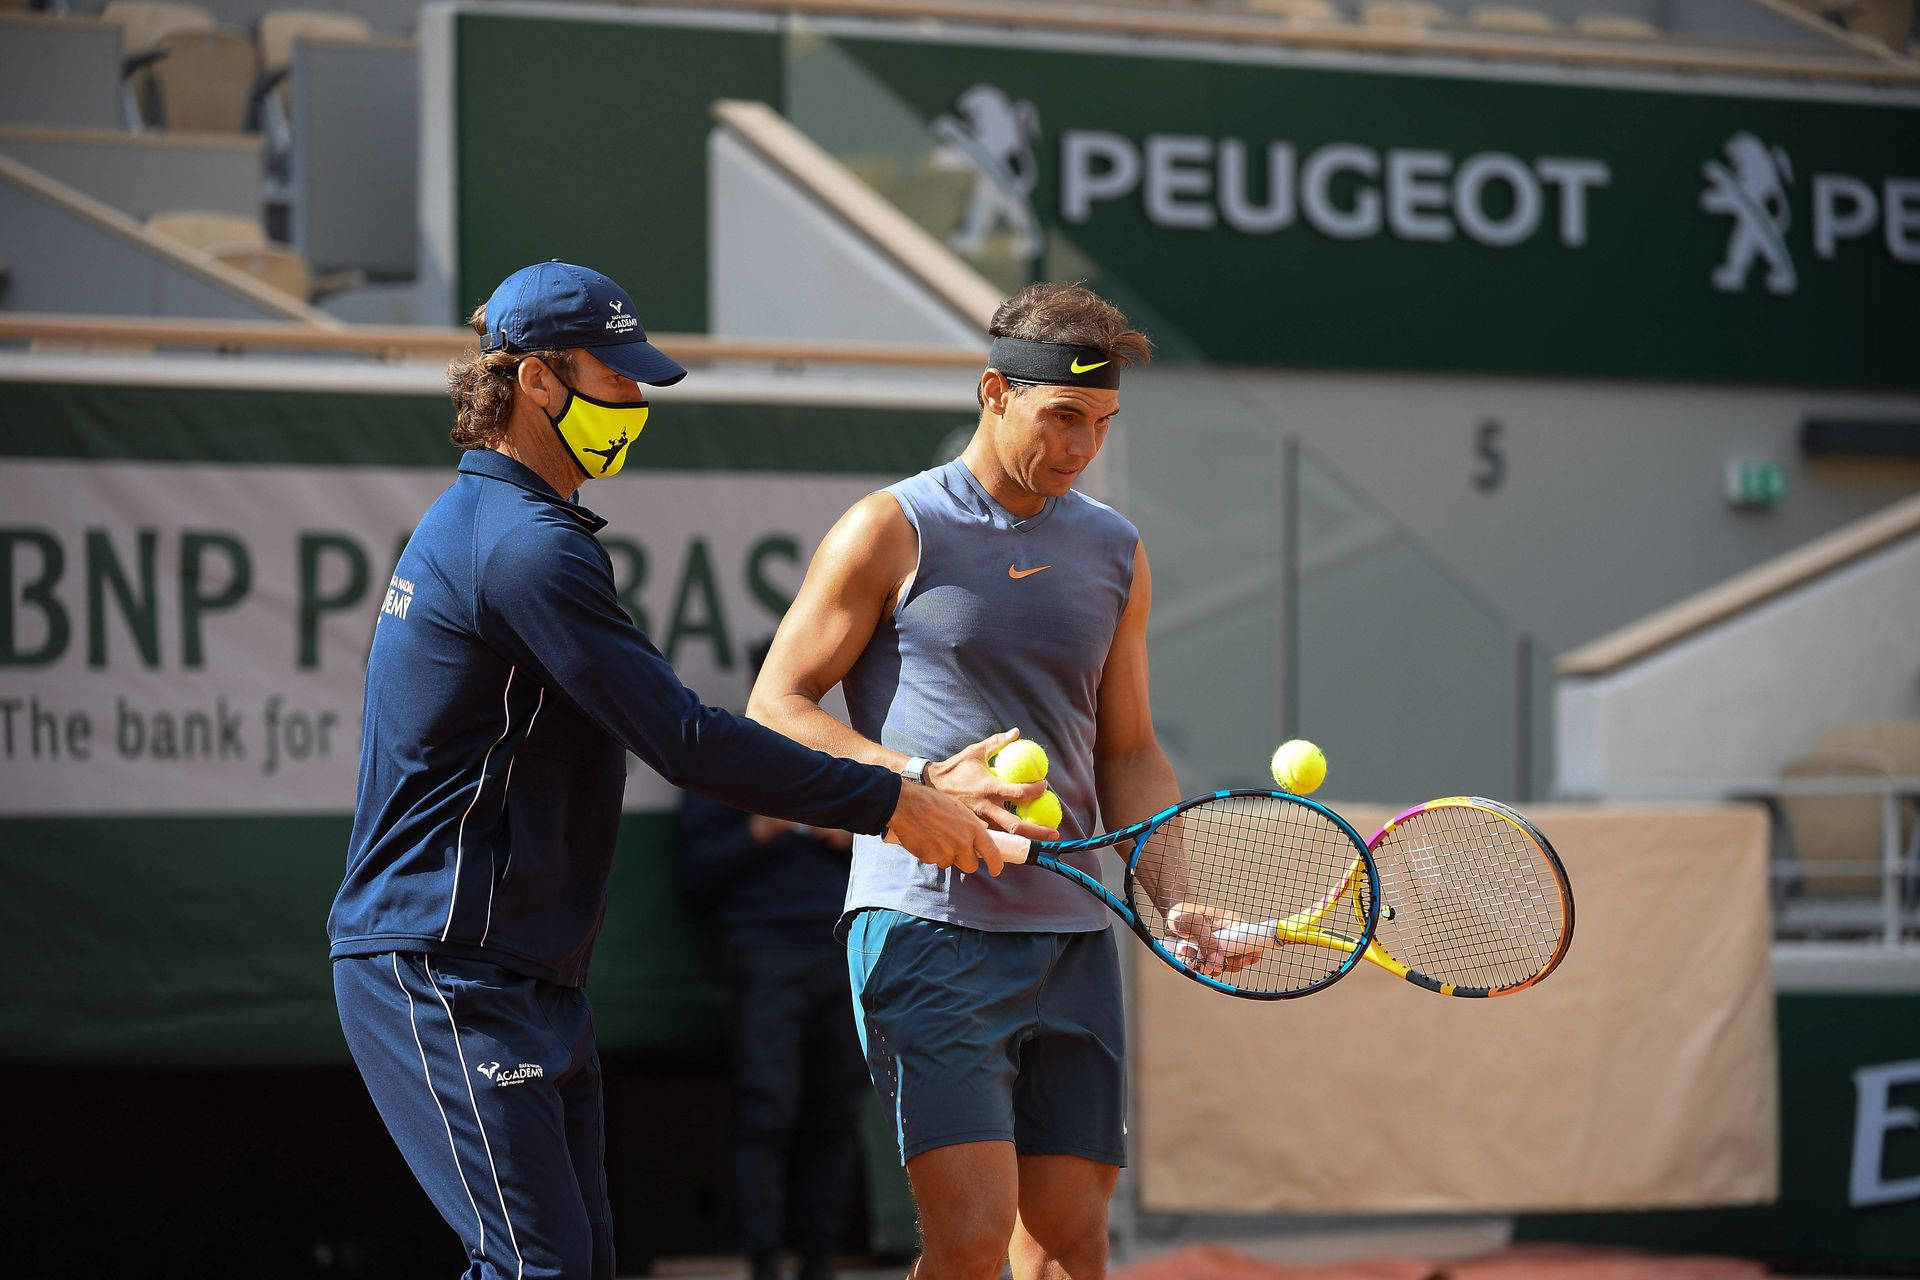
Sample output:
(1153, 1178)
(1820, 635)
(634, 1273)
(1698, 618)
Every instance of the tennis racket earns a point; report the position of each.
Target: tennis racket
(1195, 872)
(1473, 900)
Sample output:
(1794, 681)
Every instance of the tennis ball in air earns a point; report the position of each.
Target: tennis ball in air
(1043, 810)
(1019, 761)
(1299, 767)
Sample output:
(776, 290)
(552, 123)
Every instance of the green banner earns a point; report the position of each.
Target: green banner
(587, 142)
(1261, 212)
(53, 420)
(1280, 215)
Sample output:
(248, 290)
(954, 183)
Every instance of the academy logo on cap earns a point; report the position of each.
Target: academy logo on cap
(557, 305)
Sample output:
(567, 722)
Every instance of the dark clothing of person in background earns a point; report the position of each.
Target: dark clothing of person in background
(774, 891)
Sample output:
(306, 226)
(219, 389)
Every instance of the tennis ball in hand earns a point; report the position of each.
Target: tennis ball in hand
(1043, 810)
(1019, 761)
(1299, 767)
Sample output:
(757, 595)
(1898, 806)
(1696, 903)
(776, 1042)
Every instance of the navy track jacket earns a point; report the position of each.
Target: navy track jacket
(504, 688)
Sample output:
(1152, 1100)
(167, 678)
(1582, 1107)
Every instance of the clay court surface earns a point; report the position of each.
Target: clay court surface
(1218, 1262)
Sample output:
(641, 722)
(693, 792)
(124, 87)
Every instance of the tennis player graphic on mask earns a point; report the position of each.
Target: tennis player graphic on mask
(974, 598)
(501, 703)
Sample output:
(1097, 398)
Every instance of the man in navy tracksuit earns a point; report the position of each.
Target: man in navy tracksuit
(504, 688)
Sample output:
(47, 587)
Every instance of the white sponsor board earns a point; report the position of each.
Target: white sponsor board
(192, 638)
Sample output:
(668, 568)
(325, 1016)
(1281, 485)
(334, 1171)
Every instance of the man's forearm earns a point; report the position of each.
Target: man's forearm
(805, 722)
(1133, 787)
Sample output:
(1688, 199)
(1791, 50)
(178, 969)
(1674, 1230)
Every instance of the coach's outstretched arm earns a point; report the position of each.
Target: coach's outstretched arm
(548, 604)
(865, 565)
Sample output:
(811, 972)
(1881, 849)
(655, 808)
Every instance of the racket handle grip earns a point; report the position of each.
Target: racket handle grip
(1013, 848)
(1264, 934)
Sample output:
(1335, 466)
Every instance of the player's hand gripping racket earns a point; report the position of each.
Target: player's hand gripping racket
(1473, 900)
(1197, 871)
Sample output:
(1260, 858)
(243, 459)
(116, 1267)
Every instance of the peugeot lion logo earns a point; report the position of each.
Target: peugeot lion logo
(1751, 188)
(993, 135)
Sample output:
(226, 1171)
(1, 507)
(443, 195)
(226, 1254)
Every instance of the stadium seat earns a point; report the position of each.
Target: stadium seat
(201, 228)
(1615, 26)
(279, 29)
(203, 79)
(274, 264)
(1835, 829)
(1415, 14)
(1899, 742)
(1299, 10)
(241, 242)
(143, 24)
(1888, 21)
(1505, 17)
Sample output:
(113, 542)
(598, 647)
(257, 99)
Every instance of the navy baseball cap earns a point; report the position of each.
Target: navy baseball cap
(555, 305)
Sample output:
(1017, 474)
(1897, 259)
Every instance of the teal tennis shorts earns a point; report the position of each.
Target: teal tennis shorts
(973, 1036)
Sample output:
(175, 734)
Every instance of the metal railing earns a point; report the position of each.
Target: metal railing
(1892, 915)
(1811, 901)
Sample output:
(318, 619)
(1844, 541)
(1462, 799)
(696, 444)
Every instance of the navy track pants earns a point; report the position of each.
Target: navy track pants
(490, 1083)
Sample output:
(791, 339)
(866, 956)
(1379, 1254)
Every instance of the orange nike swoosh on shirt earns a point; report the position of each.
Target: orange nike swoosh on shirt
(1017, 574)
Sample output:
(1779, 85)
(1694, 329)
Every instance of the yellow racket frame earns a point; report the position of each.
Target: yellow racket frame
(1303, 928)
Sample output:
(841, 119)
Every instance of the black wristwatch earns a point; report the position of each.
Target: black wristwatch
(915, 770)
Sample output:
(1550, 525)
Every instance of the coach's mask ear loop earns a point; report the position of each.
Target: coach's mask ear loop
(597, 432)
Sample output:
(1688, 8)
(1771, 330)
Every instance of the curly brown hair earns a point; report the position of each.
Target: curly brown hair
(1069, 312)
(481, 384)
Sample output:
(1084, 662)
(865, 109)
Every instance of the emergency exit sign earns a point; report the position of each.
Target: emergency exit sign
(1756, 482)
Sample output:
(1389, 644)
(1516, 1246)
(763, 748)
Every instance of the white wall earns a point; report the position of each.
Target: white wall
(781, 266)
(1741, 699)
(1612, 501)
(356, 156)
(141, 175)
(59, 75)
(81, 267)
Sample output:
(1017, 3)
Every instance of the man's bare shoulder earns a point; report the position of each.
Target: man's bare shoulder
(878, 513)
(874, 532)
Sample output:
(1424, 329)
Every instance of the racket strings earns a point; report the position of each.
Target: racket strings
(1248, 859)
(1474, 900)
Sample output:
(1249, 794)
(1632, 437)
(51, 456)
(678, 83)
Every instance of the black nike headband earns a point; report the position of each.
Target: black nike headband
(1053, 364)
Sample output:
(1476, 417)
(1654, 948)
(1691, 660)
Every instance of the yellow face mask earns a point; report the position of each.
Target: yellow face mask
(597, 433)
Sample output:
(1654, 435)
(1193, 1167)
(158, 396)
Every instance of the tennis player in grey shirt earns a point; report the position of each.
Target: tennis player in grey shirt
(958, 607)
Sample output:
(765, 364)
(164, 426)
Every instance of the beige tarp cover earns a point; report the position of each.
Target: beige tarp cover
(1641, 1073)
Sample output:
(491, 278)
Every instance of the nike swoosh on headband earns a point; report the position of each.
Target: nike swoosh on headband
(1077, 367)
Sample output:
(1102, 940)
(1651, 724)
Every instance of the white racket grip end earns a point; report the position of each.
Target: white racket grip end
(1248, 936)
(1012, 848)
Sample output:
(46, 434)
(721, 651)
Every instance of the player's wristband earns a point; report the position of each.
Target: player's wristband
(915, 770)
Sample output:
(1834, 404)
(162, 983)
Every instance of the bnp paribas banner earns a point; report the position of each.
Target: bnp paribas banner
(189, 582)
(1256, 209)
(192, 637)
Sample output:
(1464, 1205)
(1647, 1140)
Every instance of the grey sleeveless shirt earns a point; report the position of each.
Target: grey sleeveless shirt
(1007, 624)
